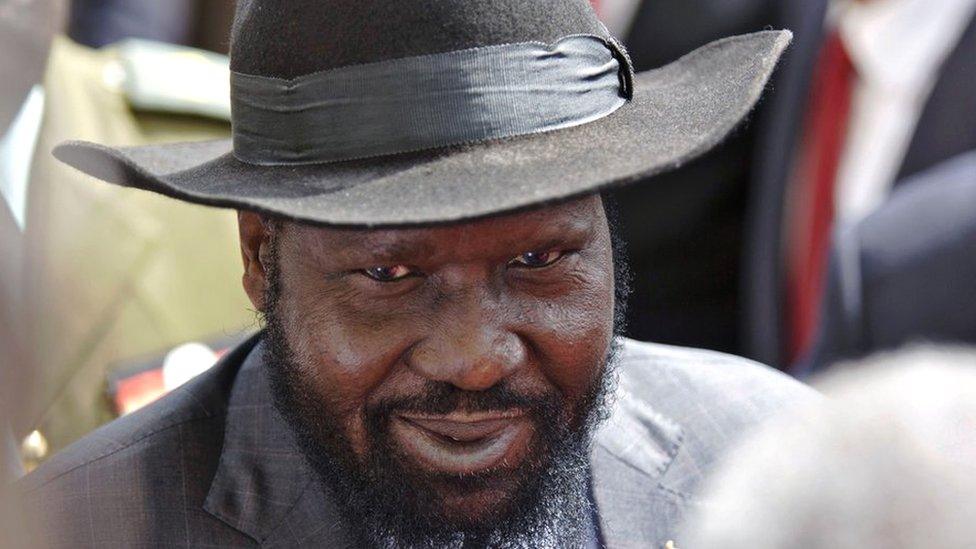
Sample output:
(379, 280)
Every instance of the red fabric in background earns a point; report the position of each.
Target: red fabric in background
(596, 5)
(812, 199)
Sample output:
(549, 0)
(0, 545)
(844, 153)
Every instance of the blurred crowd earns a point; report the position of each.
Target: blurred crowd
(838, 222)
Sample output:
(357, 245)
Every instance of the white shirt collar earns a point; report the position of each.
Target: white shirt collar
(901, 44)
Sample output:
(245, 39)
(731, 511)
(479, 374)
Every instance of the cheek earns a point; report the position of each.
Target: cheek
(573, 332)
(345, 357)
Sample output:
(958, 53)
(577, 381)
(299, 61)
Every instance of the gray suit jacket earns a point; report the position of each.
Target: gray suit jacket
(214, 465)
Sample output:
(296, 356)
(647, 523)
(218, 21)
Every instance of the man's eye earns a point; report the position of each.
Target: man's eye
(391, 273)
(535, 260)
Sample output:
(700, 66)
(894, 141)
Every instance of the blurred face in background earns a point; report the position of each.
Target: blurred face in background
(443, 381)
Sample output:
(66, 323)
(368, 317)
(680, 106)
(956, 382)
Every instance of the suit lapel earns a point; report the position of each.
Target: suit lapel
(945, 127)
(263, 486)
(631, 453)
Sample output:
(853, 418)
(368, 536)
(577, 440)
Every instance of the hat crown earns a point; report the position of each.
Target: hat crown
(290, 38)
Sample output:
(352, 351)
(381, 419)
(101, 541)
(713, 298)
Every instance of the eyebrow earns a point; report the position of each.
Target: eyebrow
(565, 229)
(380, 249)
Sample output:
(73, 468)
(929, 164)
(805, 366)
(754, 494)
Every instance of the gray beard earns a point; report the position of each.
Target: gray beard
(552, 508)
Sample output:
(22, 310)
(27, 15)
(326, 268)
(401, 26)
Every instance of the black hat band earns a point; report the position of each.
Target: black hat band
(426, 102)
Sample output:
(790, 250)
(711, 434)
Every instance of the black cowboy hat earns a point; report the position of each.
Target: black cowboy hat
(399, 112)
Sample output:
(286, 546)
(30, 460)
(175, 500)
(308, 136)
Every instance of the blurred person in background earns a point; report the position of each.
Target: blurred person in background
(889, 461)
(906, 272)
(882, 95)
(93, 312)
(872, 92)
(26, 28)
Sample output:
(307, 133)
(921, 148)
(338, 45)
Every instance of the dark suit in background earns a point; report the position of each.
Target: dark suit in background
(198, 23)
(947, 127)
(683, 229)
(907, 272)
(97, 23)
(686, 231)
(706, 241)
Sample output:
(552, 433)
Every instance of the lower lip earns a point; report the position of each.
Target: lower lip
(503, 447)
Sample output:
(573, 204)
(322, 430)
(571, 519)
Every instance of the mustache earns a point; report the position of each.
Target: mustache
(439, 398)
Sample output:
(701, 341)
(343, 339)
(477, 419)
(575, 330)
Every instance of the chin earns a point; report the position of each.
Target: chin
(477, 507)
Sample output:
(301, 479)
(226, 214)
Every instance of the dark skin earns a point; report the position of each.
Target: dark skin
(526, 299)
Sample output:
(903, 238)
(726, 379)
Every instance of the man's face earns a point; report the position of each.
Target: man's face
(451, 370)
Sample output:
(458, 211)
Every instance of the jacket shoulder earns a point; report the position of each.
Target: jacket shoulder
(128, 438)
(201, 400)
(709, 398)
(144, 475)
(688, 379)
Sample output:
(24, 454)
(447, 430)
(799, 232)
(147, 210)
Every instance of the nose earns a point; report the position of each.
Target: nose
(472, 346)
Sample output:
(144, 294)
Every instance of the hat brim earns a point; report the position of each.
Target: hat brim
(677, 113)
